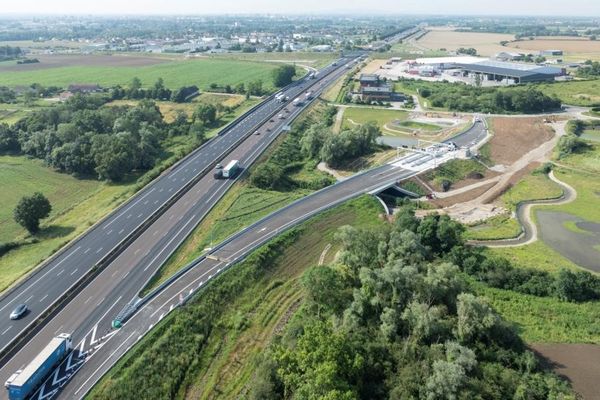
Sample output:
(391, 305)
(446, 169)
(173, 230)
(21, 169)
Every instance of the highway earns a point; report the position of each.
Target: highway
(106, 352)
(89, 314)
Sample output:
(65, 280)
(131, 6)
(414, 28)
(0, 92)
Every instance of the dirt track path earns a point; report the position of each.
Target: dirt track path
(524, 216)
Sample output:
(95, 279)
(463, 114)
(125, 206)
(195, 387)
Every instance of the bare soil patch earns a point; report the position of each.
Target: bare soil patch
(576, 362)
(462, 197)
(58, 61)
(486, 44)
(515, 137)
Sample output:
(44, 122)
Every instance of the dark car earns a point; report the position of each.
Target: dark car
(19, 311)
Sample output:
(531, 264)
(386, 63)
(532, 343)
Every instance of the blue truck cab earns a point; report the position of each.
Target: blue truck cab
(24, 382)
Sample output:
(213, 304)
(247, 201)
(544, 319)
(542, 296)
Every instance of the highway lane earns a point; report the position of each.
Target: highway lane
(65, 269)
(89, 315)
(227, 254)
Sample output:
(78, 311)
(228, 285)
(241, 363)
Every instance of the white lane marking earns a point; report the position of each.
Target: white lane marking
(121, 231)
(100, 302)
(106, 312)
(74, 271)
(99, 250)
(6, 330)
(129, 208)
(139, 216)
(216, 192)
(137, 251)
(27, 299)
(109, 232)
(105, 361)
(60, 273)
(85, 302)
(125, 276)
(40, 278)
(85, 252)
(93, 338)
(171, 217)
(170, 241)
(43, 298)
(129, 216)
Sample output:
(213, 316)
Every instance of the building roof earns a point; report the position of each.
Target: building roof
(517, 70)
(369, 78)
(377, 89)
(449, 60)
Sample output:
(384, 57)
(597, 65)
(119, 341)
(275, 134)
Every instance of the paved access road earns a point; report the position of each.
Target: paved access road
(116, 343)
(89, 314)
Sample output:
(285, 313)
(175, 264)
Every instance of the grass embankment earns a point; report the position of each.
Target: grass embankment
(200, 72)
(532, 187)
(382, 117)
(240, 207)
(213, 343)
(77, 203)
(545, 319)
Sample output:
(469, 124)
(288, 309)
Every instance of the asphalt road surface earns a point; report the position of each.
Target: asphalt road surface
(89, 314)
(114, 344)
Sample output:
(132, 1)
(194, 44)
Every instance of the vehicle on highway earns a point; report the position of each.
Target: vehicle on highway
(24, 382)
(19, 311)
(231, 169)
(281, 116)
(257, 133)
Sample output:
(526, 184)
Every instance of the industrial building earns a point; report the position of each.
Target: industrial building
(507, 72)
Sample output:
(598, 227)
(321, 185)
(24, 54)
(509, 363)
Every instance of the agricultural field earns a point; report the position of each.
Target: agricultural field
(311, 59)
(574, 48)
(109, 71)
(486, 44)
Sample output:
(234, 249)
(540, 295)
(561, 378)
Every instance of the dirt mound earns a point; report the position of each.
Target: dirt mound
(475, 175)
(576, 362)
(515, 137)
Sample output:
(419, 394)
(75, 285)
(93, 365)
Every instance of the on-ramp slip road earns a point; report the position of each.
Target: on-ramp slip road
(106, 352)
(88, 315)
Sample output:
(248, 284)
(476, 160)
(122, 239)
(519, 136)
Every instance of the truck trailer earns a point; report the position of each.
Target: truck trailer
(231, 169)
(24, 382)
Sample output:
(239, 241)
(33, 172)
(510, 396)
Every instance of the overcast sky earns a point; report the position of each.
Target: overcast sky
(197, 7)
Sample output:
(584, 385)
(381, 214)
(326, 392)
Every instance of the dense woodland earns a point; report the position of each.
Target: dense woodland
(84, 137)
(395, 319)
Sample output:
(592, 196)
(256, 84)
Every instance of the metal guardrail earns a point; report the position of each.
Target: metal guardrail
(85, 279)
(132, 307)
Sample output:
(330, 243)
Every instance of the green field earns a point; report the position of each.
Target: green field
(578, 93)
(546, 319)
(78, 203)
(201, 72)
(25, 176)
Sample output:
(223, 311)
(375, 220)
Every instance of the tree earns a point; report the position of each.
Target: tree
(283, 75)
(206, 113)
(475, 317)
(135, 89)
(255, 88)
(324, 288)
(30, 210)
